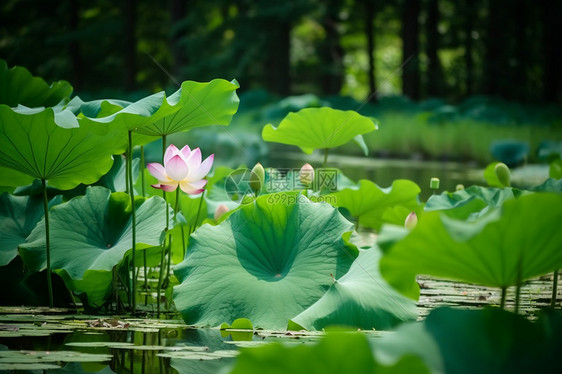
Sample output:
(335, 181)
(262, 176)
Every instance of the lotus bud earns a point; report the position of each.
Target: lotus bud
(306, 174)
(503, 174)
(459, 187)
(434, 183)
(221, 209)
(411, 221)
(257, 178)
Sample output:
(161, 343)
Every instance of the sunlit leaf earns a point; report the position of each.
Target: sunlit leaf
(360, 299)
(49, 144)
(265, 262)
(369, 202)
(520, 240)
(319, 128)
(200, 104)
(84, 252)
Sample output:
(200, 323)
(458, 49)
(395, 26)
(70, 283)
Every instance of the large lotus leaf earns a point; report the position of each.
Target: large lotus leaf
(477, 341)
(18, 217)
(268, 261)
(200, 104)
(337, 352)
(91, 234)
(361, 299)
(319, 128)
(550, 185)
(18, 86)
(369, 202)
(520, 240)
(472, 202)
(49, 144)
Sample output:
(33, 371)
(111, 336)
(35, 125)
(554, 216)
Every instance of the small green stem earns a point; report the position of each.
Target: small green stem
(141, 170)
(47, 242)
(326, 150)
(134, 219)
(183, 241)
(192, 229)
(554, 289)
(502, 302)
(519, 283)
(162, 256)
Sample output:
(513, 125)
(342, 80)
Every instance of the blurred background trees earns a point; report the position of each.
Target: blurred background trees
(361, 48)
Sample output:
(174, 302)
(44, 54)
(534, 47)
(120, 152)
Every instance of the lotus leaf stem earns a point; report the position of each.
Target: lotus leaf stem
(502, 302)
(326, 150)
(134, 221)
(47, 242)
(162, 258)
(192, 229)
(554, 287)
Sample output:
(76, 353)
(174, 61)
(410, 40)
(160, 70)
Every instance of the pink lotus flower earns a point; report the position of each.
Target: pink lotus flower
(181, 168)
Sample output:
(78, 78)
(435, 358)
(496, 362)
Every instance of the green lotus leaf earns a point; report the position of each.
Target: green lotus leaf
(361, 299)
(319, 128)
(91, 234)
(49, 144)
(18, 217)
(477, 341)
(472, 202)
(550, 185)
(337, 352)
(18, 86)
(520, 240)
(369, 203)
(200, 104)
(12, 178)
(266, 262)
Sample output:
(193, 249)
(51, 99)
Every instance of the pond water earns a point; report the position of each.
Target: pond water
(384, 171)
(60, 341)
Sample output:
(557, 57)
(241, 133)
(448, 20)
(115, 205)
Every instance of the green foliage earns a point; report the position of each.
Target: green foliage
(337, 352)
(319, 128)
(19, 87)
(472, 202)
(85, 252)
(511, 244)
(477, 341)
(360, 299)
(49, 144)
(18, 217)
(201, 104)
(264, 262)
(372, 205)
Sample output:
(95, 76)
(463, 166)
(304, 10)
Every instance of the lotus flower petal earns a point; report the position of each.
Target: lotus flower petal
(199, 173)
(176, 168)
(171, 151)
(157, 171)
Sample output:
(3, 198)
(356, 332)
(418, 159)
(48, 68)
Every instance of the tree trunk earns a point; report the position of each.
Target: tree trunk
(369, 32)
(410, 49)
(434, 70)
(130, 50)
(468, 49)
(75, 55)
(178, 10)
(552, 40)
(278, 61)
(331, 52)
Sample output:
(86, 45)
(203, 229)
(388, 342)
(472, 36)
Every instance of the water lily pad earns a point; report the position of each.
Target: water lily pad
(360, 299)
(18, 217)
(18, 86)
(268, 263)
(48, 144)
(200, 104)
(319, 128)
(471, 202)
(372, 205)
(85, 252)
(520, 240)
